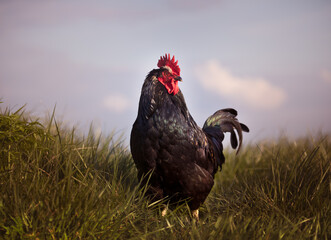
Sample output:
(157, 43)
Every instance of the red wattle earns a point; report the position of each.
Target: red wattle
(171, 85)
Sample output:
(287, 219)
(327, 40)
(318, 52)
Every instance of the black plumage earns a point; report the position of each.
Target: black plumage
(166, 142)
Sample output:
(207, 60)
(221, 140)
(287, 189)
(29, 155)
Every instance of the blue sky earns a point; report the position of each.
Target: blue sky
(270, 60)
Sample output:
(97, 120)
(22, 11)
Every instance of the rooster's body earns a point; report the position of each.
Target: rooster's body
(166, 142)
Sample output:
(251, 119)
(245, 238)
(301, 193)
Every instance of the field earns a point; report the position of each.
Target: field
(57, 184)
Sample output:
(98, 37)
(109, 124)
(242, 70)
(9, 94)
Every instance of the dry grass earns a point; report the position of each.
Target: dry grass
(57, 185)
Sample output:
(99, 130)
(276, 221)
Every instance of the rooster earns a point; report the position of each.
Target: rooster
(165, 141)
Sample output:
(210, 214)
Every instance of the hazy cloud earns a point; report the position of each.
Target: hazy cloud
(116, 103)
(326, 76)
(255, 92)
(189, 5)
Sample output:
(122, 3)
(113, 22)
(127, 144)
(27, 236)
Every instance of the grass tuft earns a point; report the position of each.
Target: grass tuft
(57, 184)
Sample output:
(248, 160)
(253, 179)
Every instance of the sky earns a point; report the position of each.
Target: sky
(270, 60)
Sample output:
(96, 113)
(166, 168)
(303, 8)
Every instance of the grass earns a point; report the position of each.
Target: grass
(57, 184)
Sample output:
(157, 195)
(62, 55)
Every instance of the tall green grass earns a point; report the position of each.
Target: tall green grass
(57, 184)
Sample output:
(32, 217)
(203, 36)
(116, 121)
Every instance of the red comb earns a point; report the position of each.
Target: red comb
(166, 61)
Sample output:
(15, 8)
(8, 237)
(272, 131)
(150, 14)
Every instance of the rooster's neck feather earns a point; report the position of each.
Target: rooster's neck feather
(154, 95)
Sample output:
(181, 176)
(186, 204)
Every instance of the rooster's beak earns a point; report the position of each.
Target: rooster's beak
(178, 78)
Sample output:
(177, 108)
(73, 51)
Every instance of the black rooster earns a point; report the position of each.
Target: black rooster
(166, 142)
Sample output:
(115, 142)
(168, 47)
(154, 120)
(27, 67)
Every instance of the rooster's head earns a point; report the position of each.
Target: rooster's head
(171, 75)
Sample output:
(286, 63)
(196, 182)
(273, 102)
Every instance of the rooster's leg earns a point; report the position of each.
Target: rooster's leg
(164, 211)
(195, 214)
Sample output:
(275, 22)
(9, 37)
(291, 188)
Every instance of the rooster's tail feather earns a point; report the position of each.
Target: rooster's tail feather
(222, 121)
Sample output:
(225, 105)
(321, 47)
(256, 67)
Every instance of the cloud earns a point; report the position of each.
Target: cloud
(116, 103)
(326, 76)
(255, 92)
(189, 5)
